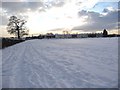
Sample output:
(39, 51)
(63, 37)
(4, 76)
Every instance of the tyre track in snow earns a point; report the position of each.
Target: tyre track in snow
(10, 69)
(38, 74)
(60, 73)
(43, 71)
(6, 62)
(50, 70)
(13, 56)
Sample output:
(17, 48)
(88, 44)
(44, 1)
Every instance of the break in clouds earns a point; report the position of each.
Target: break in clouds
(94, 21)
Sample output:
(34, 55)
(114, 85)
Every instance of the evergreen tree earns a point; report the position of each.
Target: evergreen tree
(105, 33)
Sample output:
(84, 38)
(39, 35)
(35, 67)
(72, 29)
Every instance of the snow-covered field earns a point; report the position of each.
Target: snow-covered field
(61, 63)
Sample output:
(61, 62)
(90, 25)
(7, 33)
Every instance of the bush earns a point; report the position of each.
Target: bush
(5, 42)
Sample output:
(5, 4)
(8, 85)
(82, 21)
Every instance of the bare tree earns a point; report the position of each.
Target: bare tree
(16, 27)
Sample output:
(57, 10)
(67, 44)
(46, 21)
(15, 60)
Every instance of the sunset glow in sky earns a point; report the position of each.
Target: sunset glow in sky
(59, 15)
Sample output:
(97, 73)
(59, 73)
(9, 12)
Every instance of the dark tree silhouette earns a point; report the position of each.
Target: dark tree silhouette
(16, 27)
(105, 33)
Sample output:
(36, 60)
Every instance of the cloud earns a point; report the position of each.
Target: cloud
(4, 20)
(10, 0)
(108, 9)
(17, 7)
(23, 6)
(57, 29)
(58, 3)
(97, 21)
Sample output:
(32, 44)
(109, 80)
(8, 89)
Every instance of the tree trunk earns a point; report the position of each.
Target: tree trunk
(18, 34)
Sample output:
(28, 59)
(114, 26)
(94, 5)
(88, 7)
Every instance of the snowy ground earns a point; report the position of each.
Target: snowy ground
(66, 63)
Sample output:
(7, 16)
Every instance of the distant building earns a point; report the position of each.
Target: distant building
(63, 36)
(59, 36)
(49, 35)
(82, 35)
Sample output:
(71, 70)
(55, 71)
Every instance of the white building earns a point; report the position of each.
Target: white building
(82, 35)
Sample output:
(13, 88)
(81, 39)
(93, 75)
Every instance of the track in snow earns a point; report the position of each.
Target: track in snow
(80, 63)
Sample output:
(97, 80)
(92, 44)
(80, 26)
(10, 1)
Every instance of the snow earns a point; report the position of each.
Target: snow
(61, 63)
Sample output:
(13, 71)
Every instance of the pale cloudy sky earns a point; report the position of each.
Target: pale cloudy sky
(59, 15)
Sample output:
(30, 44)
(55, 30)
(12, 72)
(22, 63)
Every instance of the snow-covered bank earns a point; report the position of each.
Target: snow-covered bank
(80, 63)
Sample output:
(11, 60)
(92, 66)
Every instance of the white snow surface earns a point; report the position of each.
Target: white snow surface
(61, 63)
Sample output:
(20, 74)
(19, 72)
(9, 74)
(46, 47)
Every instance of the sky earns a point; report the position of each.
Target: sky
(76, 16)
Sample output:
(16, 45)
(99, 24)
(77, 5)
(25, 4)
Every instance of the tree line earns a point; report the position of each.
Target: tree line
(17, 27)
